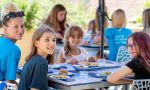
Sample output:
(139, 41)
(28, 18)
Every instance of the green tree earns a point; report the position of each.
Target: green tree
(37, 10)
(30, 9)
(147, 4)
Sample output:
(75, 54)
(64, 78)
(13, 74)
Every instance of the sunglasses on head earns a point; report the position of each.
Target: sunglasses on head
(13, 15)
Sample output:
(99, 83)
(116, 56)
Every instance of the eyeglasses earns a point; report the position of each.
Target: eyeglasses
(13, 15)
(130, 46)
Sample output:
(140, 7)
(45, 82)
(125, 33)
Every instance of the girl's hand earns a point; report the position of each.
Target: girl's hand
(97, 39)
(72, 61)
(92, 59)
(85, 43)
(59, 36)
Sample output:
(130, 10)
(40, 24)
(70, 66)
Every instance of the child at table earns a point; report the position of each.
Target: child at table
(57, 20)
(71, 52)
(138, 45)
(34, 72)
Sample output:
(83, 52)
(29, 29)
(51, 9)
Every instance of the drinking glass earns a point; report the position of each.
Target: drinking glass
(102, 62)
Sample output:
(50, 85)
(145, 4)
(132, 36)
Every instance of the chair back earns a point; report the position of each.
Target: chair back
(141, 84)
(2, 85)
(123, 55)
(10, 86)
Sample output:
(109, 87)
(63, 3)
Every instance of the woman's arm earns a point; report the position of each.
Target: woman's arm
(97, 39)
(60, 57)
(116, 76)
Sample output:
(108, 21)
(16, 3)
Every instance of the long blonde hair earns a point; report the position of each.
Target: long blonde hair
(68, 33)
(119, 18)
(36, 36)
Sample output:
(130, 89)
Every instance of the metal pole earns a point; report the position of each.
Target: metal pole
(101, 25)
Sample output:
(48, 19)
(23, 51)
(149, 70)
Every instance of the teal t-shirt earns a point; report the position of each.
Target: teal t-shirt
(9, 59)
(116, 37)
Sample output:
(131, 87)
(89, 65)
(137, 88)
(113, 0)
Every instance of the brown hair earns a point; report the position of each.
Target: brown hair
(68, 33)
(119, 18)
(146, 20)
(143, 41)
(96, 20)
(36, 36)
(52, 21)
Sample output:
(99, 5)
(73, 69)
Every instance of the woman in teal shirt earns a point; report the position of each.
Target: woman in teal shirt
(13, 26)
(118, 34)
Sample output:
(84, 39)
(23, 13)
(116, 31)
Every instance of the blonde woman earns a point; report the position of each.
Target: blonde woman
(146, 21)
(118, 34)
(34, 72)
(13, 26)
(71, 52)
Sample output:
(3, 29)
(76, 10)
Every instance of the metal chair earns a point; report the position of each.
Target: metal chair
(10, 86)
(123, 56)
(141, 84)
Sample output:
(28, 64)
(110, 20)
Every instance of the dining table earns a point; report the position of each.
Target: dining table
(85, 77)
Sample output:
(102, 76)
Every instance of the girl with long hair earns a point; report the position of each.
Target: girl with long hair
(93, 32)
(57, 20)
(138, 45)
(34, 72)
(71, 52)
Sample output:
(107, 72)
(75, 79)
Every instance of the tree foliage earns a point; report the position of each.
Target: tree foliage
(37, 10)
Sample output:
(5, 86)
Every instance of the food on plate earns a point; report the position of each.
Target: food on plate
(63, 71)
(88, 63)
(92, 64)
(105, 73)
(49, 75)
(63, 76)
(60, 76)
(83, 66)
